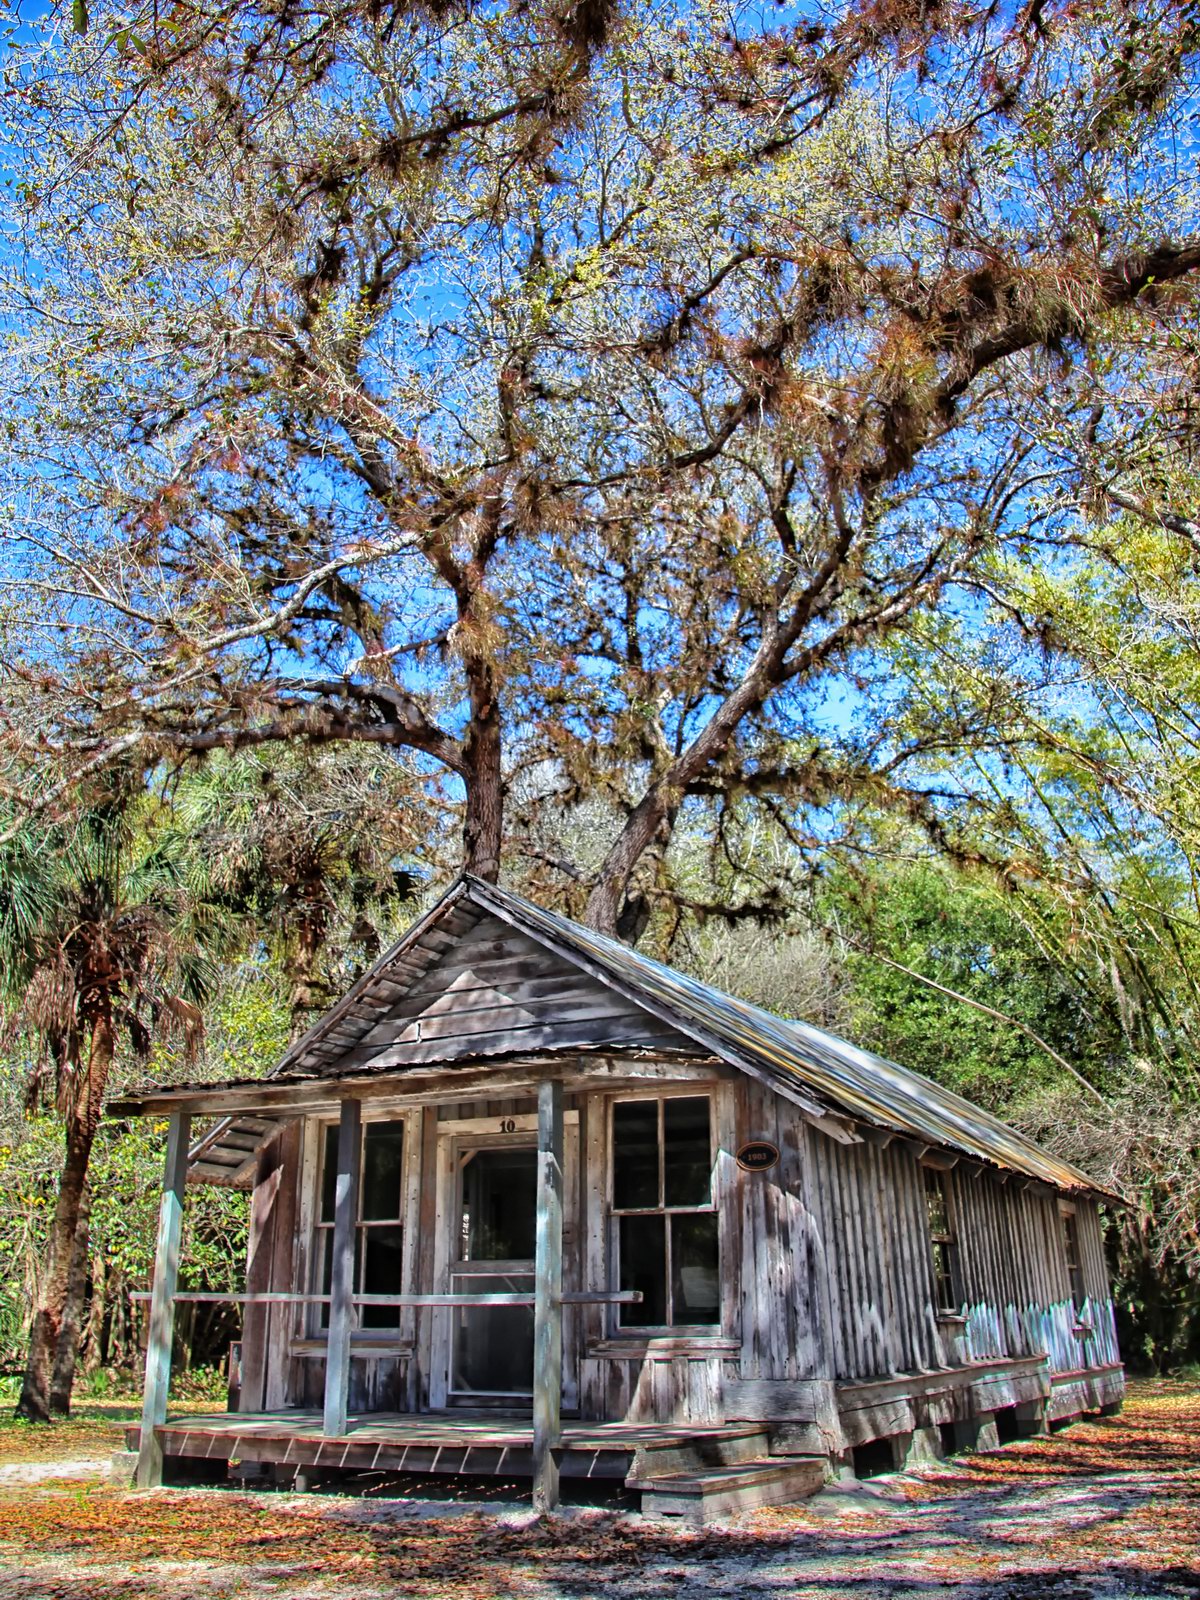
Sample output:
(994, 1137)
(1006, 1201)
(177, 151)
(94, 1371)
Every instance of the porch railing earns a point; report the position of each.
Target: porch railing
(570, 1297)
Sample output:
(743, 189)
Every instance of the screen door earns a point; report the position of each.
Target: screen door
(493, 1250)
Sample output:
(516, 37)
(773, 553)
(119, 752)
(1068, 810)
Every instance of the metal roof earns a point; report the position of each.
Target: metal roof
(819, 1071)
(853, 1080)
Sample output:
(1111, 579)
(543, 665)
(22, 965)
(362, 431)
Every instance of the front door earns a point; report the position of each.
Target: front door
(487, 1229)
(491, 1350)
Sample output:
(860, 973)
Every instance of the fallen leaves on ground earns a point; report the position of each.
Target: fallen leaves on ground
(94, 1428)
(1107, 1508)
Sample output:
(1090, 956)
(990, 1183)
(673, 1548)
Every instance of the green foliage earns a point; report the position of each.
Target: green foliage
(969, 938)
(125, 1180)
(247, 1032)
(299, 850)
(249, 1028)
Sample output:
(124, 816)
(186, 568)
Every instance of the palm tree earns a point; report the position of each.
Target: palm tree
(100, 939)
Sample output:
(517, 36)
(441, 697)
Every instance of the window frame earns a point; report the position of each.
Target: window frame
(658, 1095)
(315, 1322)
(1068, 1234)
(945, 1240)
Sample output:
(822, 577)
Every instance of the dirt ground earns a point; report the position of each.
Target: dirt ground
(1104, 1510)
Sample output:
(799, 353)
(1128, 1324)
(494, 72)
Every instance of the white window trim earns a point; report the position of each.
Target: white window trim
(309, 1337)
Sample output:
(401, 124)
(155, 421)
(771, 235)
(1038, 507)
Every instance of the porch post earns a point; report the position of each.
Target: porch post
(547, 1310)
(341, 1289)
(162, 1303)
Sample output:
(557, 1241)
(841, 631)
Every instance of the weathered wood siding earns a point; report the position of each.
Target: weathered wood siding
(774, 1254)
(869, 1205)
(486, 991)
(268, 1377)
(869, 1210)
(828, 1292)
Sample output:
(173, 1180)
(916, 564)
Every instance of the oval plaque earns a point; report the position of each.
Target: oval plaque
(757, 1155)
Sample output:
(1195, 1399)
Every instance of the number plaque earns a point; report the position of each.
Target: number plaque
(757, 1155)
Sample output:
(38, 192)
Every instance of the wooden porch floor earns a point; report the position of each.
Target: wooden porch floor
(475, 1444)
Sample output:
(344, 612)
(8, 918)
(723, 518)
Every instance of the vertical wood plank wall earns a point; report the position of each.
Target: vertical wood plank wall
(1008, 1235)
(825, 1260)
(268, 1375)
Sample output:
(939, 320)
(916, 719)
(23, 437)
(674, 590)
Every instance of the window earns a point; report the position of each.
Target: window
(941, 1241)
(1070, 1231)
(666, 1225)
(378, 1234)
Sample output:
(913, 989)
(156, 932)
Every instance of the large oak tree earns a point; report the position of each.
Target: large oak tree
(580, 400)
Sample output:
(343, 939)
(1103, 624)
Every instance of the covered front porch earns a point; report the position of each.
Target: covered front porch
(688, 1473)
(540, 1441)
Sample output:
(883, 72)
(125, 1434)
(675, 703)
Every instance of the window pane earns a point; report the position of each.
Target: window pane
(687, 1152)
(696, 1285)
(381, 1258)
(1074, 1265)
(1070, 1242)
(935, 1200)
(493, 1345)
(635, 1154)
(329, 1173)
(383, 1154)
(499, 1194)
(943, 1277)
(644, 1267)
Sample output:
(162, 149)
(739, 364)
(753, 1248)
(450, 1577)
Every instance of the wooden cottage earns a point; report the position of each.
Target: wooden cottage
(529, 1203)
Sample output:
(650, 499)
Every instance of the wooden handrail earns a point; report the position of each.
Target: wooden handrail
(586, 1297)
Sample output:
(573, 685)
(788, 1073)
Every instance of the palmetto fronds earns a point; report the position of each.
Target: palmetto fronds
(97, 917)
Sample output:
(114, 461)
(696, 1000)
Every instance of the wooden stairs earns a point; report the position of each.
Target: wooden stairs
(685, 1474)
(711, 1477)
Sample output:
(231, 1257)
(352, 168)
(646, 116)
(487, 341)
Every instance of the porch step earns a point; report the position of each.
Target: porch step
(474, 1446)
(694, 1498)
(698, 1451)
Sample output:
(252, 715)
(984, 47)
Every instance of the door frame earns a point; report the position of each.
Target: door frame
(513, 1131)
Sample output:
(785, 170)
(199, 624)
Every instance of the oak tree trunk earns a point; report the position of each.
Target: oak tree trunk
(302, 964)
(484, 769)
(659, 806)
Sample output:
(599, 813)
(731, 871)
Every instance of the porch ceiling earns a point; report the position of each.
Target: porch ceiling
(228, 1154)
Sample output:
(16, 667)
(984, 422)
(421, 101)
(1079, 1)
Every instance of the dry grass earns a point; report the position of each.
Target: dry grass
(92, 1431)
